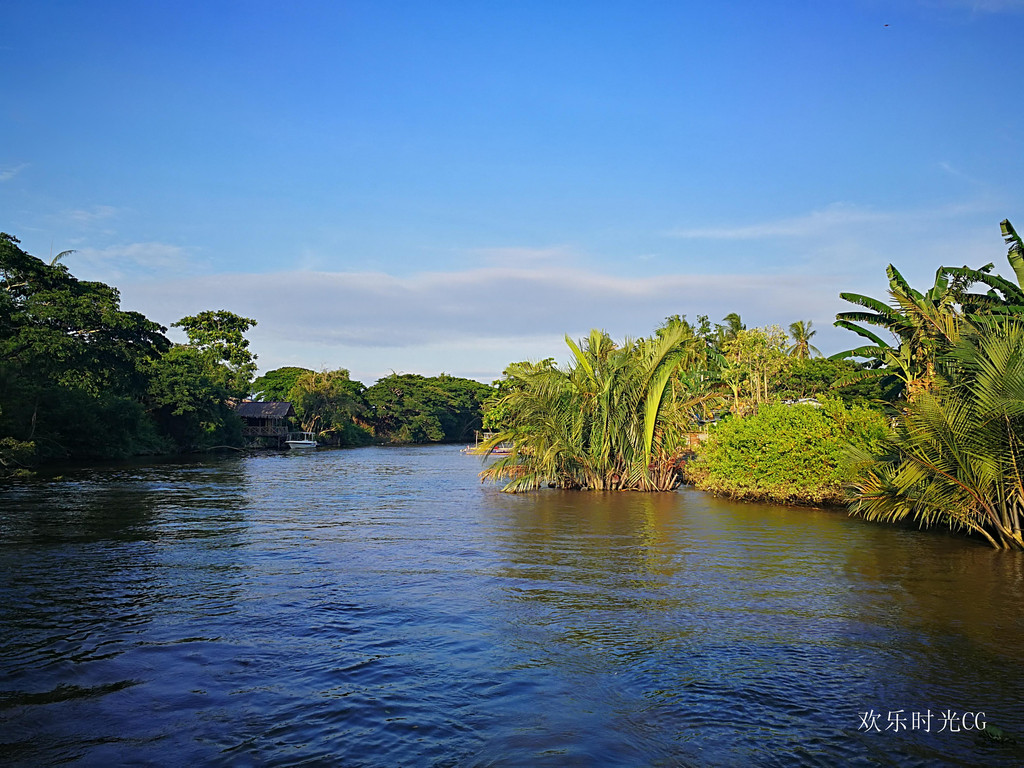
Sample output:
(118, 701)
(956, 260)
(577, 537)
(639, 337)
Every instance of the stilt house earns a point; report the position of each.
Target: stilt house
(265, 419)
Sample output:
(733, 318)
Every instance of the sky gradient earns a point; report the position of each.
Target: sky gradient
(433, 187)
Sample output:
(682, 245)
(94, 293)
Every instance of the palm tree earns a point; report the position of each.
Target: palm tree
(613, 420)
(957, 457)
(802, 334)
(731, 329)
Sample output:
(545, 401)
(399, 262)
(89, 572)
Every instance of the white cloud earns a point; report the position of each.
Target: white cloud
(525, 255)
(466, 323)
(812, 224)
(117, 262)
(6, 174)
(474, 322)
(980, 6)
(91, 215)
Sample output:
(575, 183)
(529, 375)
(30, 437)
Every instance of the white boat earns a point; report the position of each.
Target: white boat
(301, 440)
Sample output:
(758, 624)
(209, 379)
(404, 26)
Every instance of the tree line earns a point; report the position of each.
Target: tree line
(82, 378)
(923, 422)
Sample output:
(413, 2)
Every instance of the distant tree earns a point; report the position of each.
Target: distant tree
(328, 403)
(754, 361)
(819, 376)
(801, 333)
(730, 330)
(274, 386)
(219, 336)
(408, 408)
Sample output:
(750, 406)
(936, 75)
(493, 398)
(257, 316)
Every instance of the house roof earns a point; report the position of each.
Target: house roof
(250, 410)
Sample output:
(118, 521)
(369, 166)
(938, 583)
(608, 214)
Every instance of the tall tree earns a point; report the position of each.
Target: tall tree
(731, 328)
(754, 360)
(1003, 296)
(801, 333)
(189, 401)
(219, 336)
(409, 408)
(72, 362)
(274, 386)
(328, 404)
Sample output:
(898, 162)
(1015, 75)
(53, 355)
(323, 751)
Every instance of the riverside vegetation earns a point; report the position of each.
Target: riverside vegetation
(923, 423)
(927, 427)
(80, 378)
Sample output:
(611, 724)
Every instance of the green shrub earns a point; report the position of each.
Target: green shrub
(794, 454)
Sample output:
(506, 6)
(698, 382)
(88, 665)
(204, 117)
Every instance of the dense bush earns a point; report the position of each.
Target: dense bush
(791, 454)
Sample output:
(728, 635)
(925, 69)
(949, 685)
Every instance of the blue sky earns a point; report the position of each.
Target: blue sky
(451, 186)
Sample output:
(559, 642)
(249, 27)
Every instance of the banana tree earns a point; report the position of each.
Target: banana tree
(1003, 296)
(922, 326)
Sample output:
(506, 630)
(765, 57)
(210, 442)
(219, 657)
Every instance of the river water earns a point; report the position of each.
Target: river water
(381, 607)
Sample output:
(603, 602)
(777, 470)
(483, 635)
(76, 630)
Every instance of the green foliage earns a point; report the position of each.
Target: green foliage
(790, 454)
(801, 333)
(923, 324)
(191, 385)
(189, 404)
(328, 403)
(497, 410)
(753, 361)
(730, 330)
(613, 420)
(274, 386)
(957, 456)
(73, 365)
(220, 338)
(74, 423)
(820, 376)
(17, 457)
(58, 330)
(409, 408)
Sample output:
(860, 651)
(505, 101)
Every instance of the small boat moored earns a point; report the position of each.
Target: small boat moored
(502, 449)
(301, 440)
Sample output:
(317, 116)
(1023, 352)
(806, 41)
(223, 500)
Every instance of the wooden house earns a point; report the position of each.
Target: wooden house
(265, 420)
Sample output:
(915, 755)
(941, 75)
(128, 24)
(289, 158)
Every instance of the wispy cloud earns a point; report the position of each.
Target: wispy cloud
(979, 6)
(91, 215)
(6, 174)
(132, 260)
(834, 218)
(808, 225)
(470, 319)
(557, 254)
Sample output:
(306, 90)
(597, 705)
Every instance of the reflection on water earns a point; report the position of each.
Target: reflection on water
(380, 607)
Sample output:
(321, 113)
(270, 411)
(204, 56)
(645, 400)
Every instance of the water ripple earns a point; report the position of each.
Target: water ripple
(380, 607)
